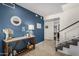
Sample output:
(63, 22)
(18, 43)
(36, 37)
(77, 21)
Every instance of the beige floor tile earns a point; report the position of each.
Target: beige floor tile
(47, 48)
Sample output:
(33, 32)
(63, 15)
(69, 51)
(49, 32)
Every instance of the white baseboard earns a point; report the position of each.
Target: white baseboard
(49, 39)
(40, 43)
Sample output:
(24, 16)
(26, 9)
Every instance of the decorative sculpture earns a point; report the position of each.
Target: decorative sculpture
(8, 32)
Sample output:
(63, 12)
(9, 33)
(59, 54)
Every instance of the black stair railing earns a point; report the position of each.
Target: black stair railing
(69, 26)
(74, 42)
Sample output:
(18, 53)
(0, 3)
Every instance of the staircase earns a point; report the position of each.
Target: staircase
(70, 47)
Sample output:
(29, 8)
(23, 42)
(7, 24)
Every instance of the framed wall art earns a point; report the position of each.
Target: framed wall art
(39, 26)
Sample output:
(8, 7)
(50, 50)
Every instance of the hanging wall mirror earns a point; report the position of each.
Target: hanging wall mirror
(15, 20)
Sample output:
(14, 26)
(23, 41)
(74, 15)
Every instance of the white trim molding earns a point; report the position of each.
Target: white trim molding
(40, 43)
(9, 5)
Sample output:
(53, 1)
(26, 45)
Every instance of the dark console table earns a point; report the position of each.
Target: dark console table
(29, 47)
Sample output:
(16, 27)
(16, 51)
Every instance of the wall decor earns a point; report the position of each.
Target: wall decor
(27, 17)
(30, 27)
(39, 25)
(15, 20)
(23, 29)
(8, 32)
(46, 27)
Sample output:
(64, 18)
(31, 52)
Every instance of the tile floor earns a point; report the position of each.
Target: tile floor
(46, 48)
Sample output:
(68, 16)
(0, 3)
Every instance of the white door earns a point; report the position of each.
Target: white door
(49, 30)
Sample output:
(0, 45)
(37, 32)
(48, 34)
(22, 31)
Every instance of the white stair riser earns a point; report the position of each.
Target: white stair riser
(78, 43)
(65, 51)
(73, 50)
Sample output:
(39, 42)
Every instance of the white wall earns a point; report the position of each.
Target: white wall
(49, 32)
(69, 16)
(70, 6)
(52, 16)
(66, 18)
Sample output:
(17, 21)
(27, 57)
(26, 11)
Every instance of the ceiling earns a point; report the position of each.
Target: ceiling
(44, 9)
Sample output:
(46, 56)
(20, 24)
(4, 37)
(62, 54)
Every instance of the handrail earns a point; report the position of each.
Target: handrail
(69, 26)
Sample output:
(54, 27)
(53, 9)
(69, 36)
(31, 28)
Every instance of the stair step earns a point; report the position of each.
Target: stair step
(78, 43)
(69, 47)
(60, 47)
(72, 42)
(75, 41)
(67, 44)
(65, 51)
(73, 50)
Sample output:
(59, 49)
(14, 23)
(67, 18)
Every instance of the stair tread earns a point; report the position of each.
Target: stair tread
(67, 44)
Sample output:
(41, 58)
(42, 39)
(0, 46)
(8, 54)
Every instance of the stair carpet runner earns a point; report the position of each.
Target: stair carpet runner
(67, 44)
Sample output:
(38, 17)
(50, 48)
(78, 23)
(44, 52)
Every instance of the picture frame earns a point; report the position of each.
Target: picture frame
(15, 20)
(39, 26)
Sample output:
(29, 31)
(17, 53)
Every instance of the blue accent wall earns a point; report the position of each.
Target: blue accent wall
(27, 16)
